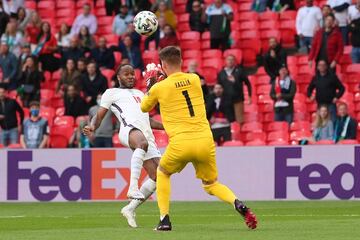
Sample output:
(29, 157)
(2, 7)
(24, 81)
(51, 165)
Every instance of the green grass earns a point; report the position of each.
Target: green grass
(328, 220)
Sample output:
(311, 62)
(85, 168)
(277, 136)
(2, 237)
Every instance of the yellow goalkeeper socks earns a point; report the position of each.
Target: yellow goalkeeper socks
(163, 189)
(221, 191)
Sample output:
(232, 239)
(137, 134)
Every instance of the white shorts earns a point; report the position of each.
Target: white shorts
(152, 152)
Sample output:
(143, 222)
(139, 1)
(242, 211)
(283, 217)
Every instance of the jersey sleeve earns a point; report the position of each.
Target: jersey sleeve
(106, 99)
(150, 99)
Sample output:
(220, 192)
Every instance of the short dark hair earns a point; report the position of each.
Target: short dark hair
(121, 66)
(34, 103)
(325, 5)
(3, 86)
(171, 55)
(331, 15)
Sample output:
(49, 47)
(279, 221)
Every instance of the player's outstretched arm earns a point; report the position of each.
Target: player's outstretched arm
(95, 121)
(156, 124)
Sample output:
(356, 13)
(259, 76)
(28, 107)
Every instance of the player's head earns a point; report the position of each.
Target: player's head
(126, 76)
(170, 58)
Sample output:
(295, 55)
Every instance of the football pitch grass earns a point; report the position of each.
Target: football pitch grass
(278, 220)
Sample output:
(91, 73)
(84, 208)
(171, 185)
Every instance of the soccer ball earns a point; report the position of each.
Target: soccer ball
(145, 23)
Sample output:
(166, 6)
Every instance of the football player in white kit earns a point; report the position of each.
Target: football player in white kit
(135, 133)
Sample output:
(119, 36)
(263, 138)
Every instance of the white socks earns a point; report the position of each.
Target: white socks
(136, 166)
(147, 189)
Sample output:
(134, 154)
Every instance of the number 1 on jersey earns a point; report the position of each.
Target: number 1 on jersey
(189, 104)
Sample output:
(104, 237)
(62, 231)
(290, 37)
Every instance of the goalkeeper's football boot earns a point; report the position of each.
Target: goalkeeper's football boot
(248, 215)
(164, 224)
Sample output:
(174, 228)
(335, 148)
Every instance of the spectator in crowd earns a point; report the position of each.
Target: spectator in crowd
(168, 14)
(128, 50)
(11, 6)
(29, 81)
(192, 68)
(326, 11)
(280, 5)
(112, 6)
(156, 36)
(135, 37)
(35, 133)
(121, 21)
(23, 18)
(329, 88)
(274, 59)
(103, 135)
(25, 52)
(323, 126)
(69, 76)
(141, 5)
(169, 38)
(259, 5)
(9, 132)
(345, 125)
(340, 9)
(4, 19)
(103, 55)
(74, 104)
(32, 29)
(156, 5)
(73, 52)
(197, 20)
(232, 78)
(327, 44)
(93, 83)
(220, 113)
(13, 37)
(81, 65)
(308, 19)
(8, 65)
(45, 49)
(85, 19)
(190, 3)
(354, 27)
(283, 91)
(87, 41)
(63, 37)
(219, 16)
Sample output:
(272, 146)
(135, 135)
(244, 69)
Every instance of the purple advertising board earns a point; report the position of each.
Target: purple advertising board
(253, 173)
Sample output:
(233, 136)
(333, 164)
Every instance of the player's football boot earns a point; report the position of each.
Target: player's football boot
(164, 224)
(249, 216)
(135, 194)
(129, 215)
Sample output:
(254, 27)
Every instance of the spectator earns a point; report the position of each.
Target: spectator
(192, 68)
(35, 132)
(274, 59)
(8, 65)
(168, 14)
(232, 79)
(131, 52)
(197, 19)
(103, 135)
(141, 5)
(327, 44)
(23, 18)
(326, 11)
(29, 81)
(69, 76)
(74, 104)
(169, 38)
(93, 83)
(45, 49)
(283, 91)
(121, 21)
(340, 8)
(63, 36)
(86, 19)
(13, 37)
(157, 3)
(354, 27)
(32, 29)
(219, 16)
(81, 65)
(4, 19)
(25, 52)
(220, 113)
(259, 5)
(280, 5)
(156, 36)
(87, 41)
(135, 37)
(112, 6)
(103, 55)
(190, 3)
(11, 6)
(308, 19)
(345, 126)
(323, 127)
(329, 88)
(73, 52)
(9, 132)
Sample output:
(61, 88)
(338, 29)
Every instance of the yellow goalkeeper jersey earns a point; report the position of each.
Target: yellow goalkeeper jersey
(182, 106)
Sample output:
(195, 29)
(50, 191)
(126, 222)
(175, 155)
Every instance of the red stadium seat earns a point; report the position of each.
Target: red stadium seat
(161, 138)
(269, 25)
(192, 35)
(58, 141)
(46, 5)
(277, 126)
(187, 45)
(60, 111)
(348, 141)
(150, 57)
(252, 127)
(14, 146)
(63, 130)
(288, 15)
(263, 89)
(323, 142)
(191, 54)
(105, 21)
(300, 126)
(183, 27)
(205, 44)
(249, 25)
(278, 135)
(268, 16)
(117, 56)
(245, 16)
(210, 75)
(232, 143)
(205, 36)
(214, 63)
(212, 53)
(251, 136)
(299, 135)
(65, 13)
(183, 17)
(48, 113)
(279, 142)
(116, 141)
(257, 142)
(65, 4)
(64, 121)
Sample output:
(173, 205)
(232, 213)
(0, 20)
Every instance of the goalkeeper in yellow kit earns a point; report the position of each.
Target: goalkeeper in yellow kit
(190, 138)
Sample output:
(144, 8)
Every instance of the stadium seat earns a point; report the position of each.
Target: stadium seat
(117, 56)
(265, 99)
(288, 15)
(214, 63)
(205, 35)
(348, 141)
(63, 130)
(268, 25)
(60, 111)
(299, 135)
(65, 13)
(212, 53)
(150, 57)
(256, 142)
(183, 27)
(58, 141)
(268, 16)
(252, 127)
(277, 126)
(14, 146)
(300, 126)
(278, 135)
(65, 4)
(322, 142)
(263, 89)
(190, 54)
(245, 16)
(205, 44)
(249, 25)
(244, 7)
(48, 113)
(210, 75)
(183, 17)
(64, 121)
(279, 142)
(161, 138)
(232, 143)
(46, 5)
(103, 21)
(251, 136)
(187, 45)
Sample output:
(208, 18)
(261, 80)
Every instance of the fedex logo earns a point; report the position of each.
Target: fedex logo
(313, 174)
(45, 183)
